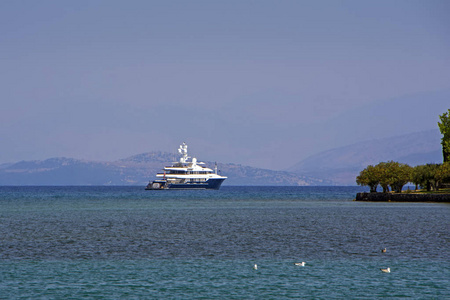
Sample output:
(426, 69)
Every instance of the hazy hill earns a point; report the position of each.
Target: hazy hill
(338, 166)
(341, 165)
(134, 170)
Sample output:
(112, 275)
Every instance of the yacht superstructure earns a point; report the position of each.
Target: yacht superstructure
(187, 174)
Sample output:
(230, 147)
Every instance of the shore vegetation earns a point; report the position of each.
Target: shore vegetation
(444, 127)
(393, 176)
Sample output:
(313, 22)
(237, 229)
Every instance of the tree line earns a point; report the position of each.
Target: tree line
(395, 175)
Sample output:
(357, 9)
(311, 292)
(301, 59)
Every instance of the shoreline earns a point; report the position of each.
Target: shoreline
(403, 197)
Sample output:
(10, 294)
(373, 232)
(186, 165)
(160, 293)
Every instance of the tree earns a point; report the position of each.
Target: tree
(442, 173)
(385, 175)
(425, 176)
(431, 176)
(400, 175)
(444, 127)
(417, 176)
(394, 174)
(369, 177)
(432, 169)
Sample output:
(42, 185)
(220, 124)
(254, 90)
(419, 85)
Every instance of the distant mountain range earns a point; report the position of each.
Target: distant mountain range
(134, 170)
(338, 166)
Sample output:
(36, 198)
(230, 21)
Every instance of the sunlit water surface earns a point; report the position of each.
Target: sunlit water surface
(125, 242)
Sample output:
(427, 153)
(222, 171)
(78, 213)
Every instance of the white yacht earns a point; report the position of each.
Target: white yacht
(187, 174)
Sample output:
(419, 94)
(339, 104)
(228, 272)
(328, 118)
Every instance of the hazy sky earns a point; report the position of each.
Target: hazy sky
(261, 83)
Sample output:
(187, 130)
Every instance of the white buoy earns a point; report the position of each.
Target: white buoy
(302, 264)
(255, 267)
(387, 270)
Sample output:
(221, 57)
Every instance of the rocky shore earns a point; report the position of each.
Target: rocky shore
(404, 197)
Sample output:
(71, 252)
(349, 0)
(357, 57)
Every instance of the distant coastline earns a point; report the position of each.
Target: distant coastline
(403, 197)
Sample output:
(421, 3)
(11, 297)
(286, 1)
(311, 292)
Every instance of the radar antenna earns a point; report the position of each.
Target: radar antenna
(183, 151)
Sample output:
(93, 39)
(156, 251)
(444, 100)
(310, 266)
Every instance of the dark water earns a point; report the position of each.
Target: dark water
(128, 243)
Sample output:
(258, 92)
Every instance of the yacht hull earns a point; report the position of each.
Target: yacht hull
(211, 184)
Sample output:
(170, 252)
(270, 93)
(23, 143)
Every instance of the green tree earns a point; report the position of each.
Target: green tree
(432, 170)
(418, 176)
(400, 175)
(444, 127)
(425, 176)
(369, 177)
(385, 175)
(442, 173)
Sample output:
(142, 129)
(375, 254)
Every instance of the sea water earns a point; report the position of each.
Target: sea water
(128, 243)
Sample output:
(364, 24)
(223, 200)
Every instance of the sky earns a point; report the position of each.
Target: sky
(258, 83)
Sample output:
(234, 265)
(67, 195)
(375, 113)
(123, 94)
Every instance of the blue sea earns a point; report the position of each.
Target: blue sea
(128, 243)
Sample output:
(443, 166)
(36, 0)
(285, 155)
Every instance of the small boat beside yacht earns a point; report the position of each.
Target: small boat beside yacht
(187, 173)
